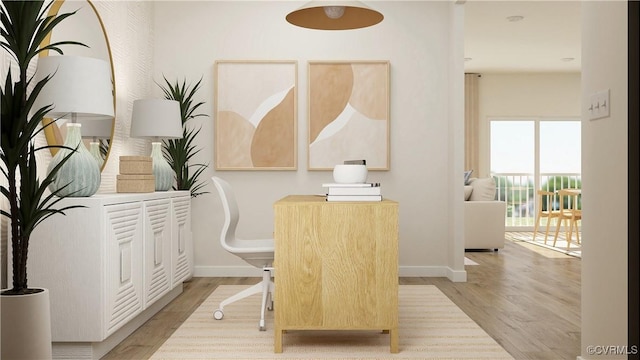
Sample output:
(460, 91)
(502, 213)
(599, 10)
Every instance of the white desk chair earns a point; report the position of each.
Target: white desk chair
(258, 253)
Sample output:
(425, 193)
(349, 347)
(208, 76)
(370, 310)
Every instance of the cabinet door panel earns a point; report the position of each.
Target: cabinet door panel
(181, 247)
(124, 270)
(157, 250)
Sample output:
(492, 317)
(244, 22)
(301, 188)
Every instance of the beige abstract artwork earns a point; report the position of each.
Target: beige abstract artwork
(255, 115)
(348, 114)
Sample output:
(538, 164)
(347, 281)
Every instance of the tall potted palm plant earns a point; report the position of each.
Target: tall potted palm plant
(26, 332)
(179, 152)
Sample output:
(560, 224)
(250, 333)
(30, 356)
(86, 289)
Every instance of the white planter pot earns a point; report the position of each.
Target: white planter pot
(26, 326)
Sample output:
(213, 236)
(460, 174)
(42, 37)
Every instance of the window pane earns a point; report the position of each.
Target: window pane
(512, 146)
(560, 147)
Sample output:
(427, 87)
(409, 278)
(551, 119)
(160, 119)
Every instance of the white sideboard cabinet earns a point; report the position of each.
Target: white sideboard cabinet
(110, 266)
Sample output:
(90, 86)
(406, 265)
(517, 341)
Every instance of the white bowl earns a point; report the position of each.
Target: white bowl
(350, 174)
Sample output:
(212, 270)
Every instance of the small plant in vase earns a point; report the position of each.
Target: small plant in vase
(179, 152)
(24, 27)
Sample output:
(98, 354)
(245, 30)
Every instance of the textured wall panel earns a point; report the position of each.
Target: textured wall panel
(130, 31)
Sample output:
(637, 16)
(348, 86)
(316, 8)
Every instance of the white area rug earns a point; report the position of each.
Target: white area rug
(574, 250)
(468, 261)
(431, 327)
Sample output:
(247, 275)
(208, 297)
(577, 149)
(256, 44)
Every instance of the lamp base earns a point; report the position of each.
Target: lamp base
(95, 152)
(80, 174)
(162, 171)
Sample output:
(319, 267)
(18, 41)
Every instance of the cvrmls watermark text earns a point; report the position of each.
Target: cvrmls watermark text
(612, 350)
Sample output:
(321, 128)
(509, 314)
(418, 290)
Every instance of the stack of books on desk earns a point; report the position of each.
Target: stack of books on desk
(353, 192)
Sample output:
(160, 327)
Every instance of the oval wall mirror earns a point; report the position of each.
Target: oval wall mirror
(86, 27)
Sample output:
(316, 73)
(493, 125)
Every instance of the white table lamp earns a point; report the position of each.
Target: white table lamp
(157, 119)
(79, 88)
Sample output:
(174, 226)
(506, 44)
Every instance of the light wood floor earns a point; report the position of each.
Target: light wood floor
(527, 301)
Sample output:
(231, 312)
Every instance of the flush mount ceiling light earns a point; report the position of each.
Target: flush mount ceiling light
(334, 12)
(334, 15)
(515, 18)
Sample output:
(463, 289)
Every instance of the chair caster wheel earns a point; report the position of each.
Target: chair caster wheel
(262, 326)
(270, 306)
(218, 314)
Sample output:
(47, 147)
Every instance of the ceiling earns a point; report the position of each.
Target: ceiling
(542, 41)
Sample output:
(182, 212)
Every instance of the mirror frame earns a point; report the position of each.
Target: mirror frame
(52, 132)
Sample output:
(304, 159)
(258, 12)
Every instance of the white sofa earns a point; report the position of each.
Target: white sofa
(484, 217)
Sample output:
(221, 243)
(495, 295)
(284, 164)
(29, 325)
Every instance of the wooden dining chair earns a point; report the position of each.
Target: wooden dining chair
(546, 202)
(569, 211)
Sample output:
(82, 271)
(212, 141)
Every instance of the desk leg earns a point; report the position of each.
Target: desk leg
(393, 336)
(277, 340)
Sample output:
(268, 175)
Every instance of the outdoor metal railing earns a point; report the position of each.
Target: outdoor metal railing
(518, 190)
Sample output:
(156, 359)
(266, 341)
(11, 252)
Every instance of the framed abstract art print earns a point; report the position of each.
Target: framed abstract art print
(255, 115)
(348, 113)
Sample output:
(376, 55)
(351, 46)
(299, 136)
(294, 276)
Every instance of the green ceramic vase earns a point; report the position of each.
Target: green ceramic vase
(162, 171)
(81, 171)
(94, 149)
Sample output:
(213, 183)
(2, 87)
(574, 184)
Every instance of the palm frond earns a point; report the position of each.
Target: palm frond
(24, 25)
(179, 152)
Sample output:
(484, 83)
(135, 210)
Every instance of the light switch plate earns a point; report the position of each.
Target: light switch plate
(599, 105)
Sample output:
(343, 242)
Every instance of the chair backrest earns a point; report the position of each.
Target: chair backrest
(571, 205)
(546, 202)
(231, 214)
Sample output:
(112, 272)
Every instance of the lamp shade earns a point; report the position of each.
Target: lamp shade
(79, 86)
(334, 15)
(156, 118)
(96, 128)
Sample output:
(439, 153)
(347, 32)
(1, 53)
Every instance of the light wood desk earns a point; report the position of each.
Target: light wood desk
(336, 266)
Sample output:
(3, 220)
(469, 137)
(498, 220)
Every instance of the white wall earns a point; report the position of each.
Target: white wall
(521, 96)
(604, 174)
(414, 37)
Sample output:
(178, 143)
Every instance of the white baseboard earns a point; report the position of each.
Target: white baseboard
(457, 275)
(227, 271)
(433, 271)
(404, 271)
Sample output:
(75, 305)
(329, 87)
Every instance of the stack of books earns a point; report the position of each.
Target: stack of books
(353, 192)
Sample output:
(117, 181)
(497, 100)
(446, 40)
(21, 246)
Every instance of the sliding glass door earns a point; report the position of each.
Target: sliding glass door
(531, 154)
